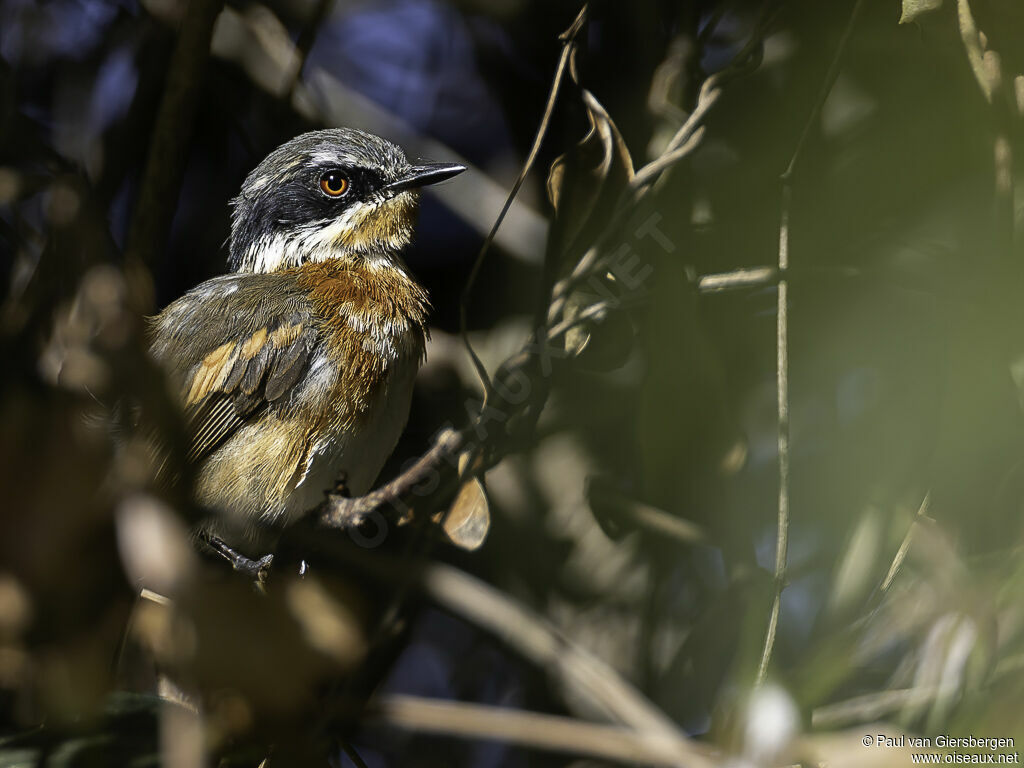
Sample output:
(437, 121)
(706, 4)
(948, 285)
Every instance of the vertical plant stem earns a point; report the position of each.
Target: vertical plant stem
(782, 391)
(782, 346)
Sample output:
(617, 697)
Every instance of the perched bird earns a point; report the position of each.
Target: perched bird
(296, 369)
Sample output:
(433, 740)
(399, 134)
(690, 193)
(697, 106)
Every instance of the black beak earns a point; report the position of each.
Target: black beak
(422, 175)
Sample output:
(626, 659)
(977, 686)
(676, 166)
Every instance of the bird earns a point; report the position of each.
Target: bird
(295, 368)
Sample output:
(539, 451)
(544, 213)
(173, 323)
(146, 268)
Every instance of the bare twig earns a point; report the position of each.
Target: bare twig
(871, 706)
(353, 755)
(568, 47)
(483, 443)
(536, 639)
(534, 730)
(782, 347)
(826, 89)
(653, 169)
(436, 473)
(755, 277)
(690, 133)
(782, 392)
(763, 277)
(901, 553)
(343, 512)
(603, 496)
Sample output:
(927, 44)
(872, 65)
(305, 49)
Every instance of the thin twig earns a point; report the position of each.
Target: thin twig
(344, 512)
(568, 46)
(763, 277)
(689, 134)
(826, 89)
(602, 496)
(653, 169)
(685, 141)
(901, 553)
(588, 677)
(782, 391)
(754, 277)
(782, 348)
(534, 730)
(870, 707)
(486, 451)
(353, 755)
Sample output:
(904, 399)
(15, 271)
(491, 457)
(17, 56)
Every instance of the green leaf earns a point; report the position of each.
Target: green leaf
(914, 8)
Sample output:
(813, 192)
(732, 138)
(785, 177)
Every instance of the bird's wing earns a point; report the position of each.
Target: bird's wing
(238, 345)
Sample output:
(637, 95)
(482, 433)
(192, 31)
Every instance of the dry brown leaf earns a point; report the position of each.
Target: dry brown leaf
(584, 184)
(469, 518)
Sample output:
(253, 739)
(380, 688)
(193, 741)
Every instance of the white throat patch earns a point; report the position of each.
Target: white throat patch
(333, 238)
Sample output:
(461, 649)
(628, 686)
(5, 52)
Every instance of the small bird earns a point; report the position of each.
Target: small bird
(296, 368)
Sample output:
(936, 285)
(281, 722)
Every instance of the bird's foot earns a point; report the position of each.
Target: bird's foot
(257, 570)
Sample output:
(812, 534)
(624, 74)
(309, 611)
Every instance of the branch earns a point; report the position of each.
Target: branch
(870, 707)
(901, 553)
(690, 133)
(482, 440)
(531, 729)
(754, 277)
(343, 512)
(536, 639)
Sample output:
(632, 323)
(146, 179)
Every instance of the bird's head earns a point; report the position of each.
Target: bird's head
(328, 194)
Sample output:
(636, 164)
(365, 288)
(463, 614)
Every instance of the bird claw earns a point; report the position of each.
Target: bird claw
(257, 570)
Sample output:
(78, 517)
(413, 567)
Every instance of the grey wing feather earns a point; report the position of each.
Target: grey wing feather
(225, 392)
(289, 365)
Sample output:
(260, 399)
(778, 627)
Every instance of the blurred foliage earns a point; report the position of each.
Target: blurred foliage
(638, 514)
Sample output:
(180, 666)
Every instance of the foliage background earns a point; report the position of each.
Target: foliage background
(638, 519)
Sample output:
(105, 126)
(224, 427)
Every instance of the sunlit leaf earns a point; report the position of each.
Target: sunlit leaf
(914, 8)
(469, 518)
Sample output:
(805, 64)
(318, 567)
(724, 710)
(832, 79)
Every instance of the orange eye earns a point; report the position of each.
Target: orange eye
(334, 184)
